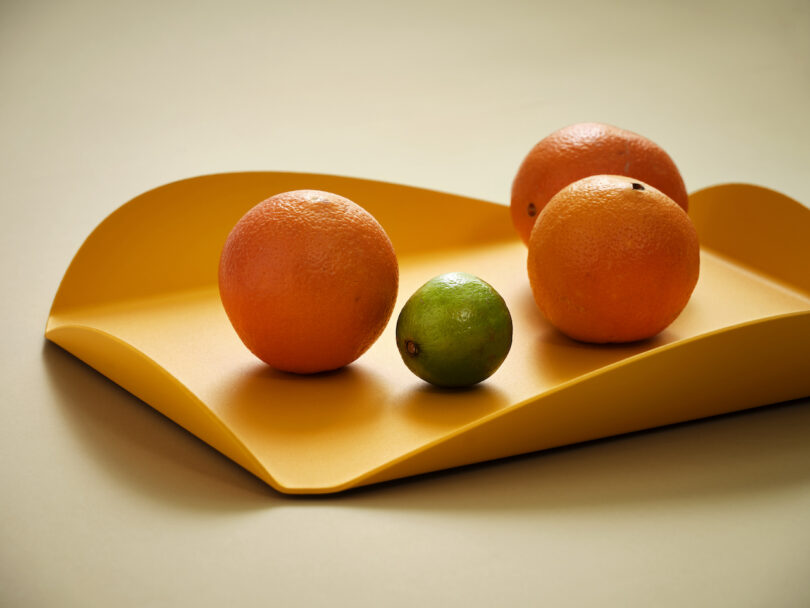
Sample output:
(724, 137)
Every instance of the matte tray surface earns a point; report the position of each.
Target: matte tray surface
(139, 303)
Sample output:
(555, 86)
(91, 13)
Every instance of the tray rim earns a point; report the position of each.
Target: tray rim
(330, 178)
(237, 451)
(58, 323)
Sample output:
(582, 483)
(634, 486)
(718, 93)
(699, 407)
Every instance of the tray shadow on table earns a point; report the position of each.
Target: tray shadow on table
(740, 453)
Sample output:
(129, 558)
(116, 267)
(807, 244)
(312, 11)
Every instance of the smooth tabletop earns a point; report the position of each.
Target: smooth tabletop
(107, 503)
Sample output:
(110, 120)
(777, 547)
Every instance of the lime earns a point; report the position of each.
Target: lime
(454, 331)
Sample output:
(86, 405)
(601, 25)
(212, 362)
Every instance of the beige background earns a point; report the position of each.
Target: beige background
(106, 503)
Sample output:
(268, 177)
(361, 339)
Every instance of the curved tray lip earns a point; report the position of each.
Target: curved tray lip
(302, 176)
(787, 202)
(305, 174)
(76, 262)
(55, 323)
(771, 231)
(257, 467)
(167, 378)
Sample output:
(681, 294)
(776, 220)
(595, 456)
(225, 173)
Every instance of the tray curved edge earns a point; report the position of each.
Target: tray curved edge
(169, 239)
(672, 384)
(728, 370)
(757, 227)
(141, 376)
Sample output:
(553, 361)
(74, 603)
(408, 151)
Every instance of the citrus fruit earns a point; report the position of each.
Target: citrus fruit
(584, 149)
(454, 331)
(612, 259)
(308, 280)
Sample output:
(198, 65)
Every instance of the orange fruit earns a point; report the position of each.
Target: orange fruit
(585, 149)
(308, 280)
(612, 259)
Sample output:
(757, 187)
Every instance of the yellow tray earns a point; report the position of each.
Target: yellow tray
(139, 303)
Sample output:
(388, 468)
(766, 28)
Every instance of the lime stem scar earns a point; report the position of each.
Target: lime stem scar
(411, 347)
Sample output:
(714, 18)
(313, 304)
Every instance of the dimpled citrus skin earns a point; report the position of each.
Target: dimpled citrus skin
(612, 259)
(454, 331)
(308, 280)
(585, 149)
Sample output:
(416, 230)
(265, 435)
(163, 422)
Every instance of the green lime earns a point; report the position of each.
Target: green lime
(455, 330)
